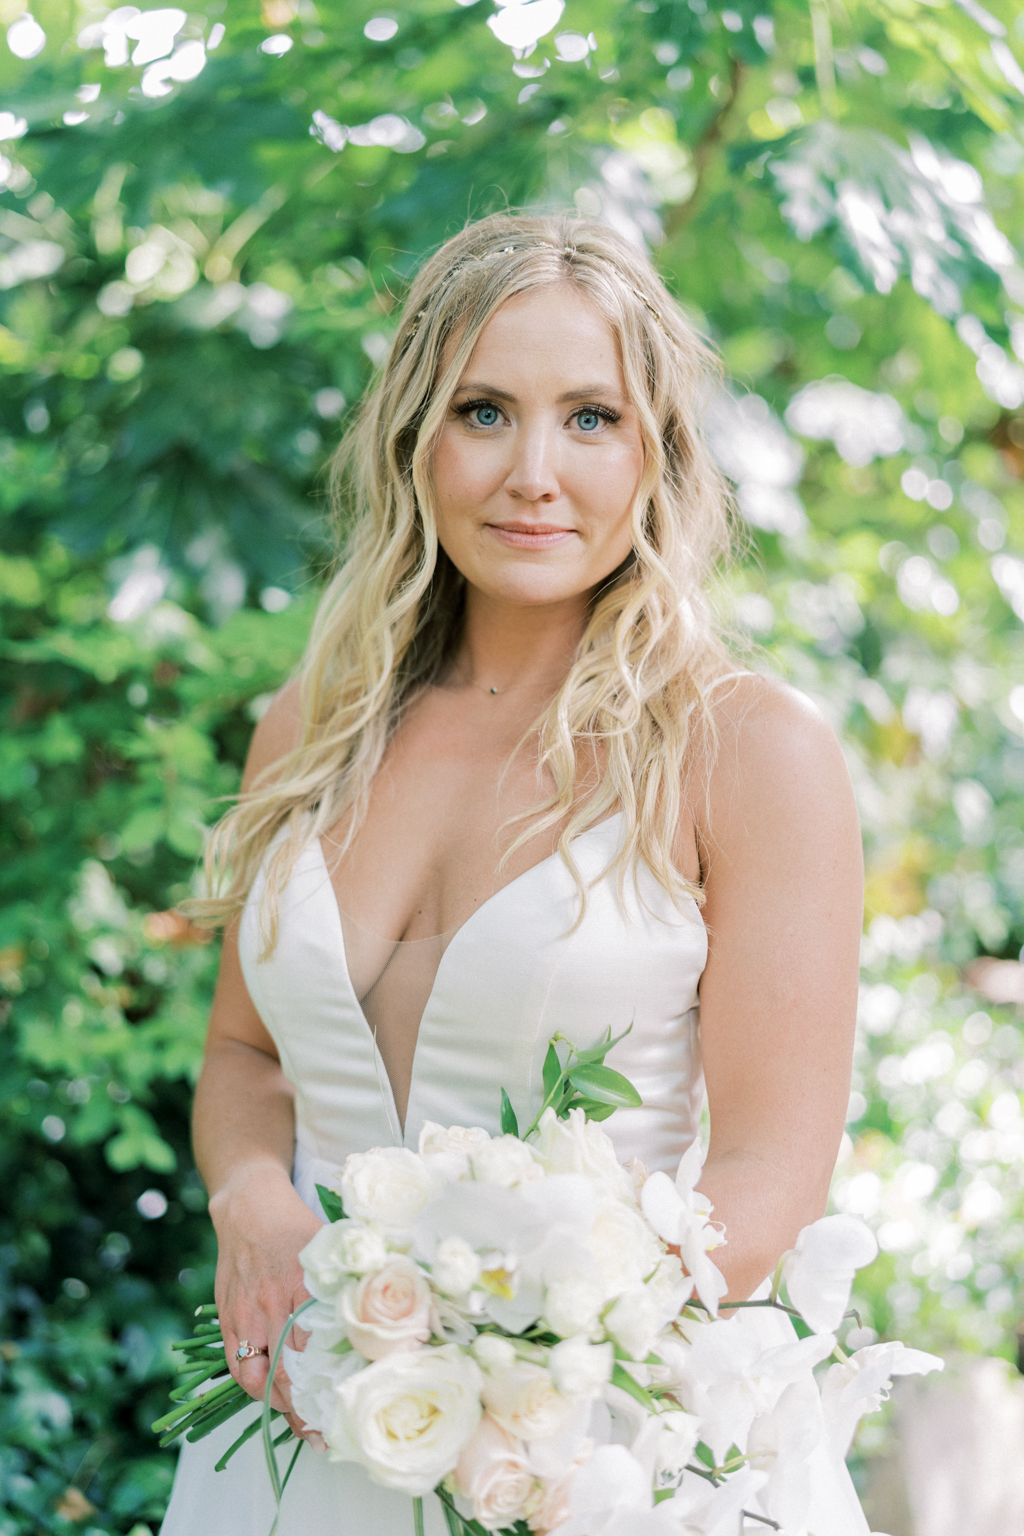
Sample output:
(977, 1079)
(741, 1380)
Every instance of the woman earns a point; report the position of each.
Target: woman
(519, 786)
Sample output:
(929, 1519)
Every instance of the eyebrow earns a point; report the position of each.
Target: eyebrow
(586, 392)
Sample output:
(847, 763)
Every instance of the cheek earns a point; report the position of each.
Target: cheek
(607, 484)
(461, 476)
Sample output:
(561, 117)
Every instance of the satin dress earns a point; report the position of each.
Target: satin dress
(520, 969)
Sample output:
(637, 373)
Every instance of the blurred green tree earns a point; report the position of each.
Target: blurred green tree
(206, 221)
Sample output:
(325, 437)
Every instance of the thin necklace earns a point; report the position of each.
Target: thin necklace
(514, 688)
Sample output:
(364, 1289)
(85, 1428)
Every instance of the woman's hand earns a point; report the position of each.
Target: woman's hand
(262, 1225)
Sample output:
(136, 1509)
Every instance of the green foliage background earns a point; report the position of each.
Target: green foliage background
(195, 277)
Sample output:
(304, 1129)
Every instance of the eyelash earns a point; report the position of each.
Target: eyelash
(605, 413)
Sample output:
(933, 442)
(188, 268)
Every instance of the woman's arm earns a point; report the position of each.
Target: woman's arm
(244, 1135)
(784, 883)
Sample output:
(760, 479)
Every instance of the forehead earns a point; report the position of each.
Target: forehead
(553, 331)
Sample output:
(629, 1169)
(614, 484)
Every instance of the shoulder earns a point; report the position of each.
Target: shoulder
(777, 758)
(279, 732)
(760, 720)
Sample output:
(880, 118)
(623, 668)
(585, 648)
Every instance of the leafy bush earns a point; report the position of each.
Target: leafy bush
(200, 255)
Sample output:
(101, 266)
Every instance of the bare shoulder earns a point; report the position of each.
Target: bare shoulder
(278, 733)
(778, 758)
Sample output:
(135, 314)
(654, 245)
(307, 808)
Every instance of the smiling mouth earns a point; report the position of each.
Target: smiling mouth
(530, 535)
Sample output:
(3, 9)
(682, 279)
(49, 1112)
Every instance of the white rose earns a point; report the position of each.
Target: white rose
(680, 1433)
(634, 1322)
(525, 1401)
(342, 1249)
(456, 1267)
(387, 1311)
(572, 1303)
(449, 1148)
(578, 1145)
(494, 1352)
(314, 1374)
(406, 1418)
(579, 1367)
(390, 1185)
(494, 1475)
(505, 1161)
(625, 1248)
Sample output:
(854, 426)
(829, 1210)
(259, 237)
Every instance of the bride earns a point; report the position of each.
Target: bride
(518, 787)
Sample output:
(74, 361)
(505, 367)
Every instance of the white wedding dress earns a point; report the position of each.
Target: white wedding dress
(515, 973)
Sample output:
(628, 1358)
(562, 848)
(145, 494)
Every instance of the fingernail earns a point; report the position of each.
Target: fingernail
(316, 1441)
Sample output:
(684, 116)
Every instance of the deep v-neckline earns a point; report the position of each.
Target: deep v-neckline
(455, 934)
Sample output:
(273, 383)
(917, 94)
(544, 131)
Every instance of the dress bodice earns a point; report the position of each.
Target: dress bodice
(520, 969)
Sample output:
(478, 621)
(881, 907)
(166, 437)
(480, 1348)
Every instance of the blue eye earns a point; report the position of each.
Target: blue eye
(486, 415)
(587, 421)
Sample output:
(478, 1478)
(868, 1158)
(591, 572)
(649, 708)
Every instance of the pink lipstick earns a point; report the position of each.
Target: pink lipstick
(530, 535)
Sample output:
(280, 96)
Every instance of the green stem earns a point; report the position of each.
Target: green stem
(777, 1279)
(749, 1515)
(417, 1517)
(196, 1405)
(557, 1089)
(213, 1421)
(268, 1446)
(247, 1434)
(291, 1464)
(731, 1306)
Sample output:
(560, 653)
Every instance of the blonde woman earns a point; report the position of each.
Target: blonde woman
(519, 786)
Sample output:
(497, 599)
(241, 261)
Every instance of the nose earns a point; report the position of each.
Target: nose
(533, 473)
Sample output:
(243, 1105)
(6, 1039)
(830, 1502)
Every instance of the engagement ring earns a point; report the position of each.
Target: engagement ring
(247, 1351)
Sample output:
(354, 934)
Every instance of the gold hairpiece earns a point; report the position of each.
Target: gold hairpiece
(566, 250)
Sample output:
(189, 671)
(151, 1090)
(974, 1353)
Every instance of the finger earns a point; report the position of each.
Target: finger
(251, 1373)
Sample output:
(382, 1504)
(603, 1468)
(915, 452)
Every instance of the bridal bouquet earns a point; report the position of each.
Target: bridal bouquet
(532, 1331)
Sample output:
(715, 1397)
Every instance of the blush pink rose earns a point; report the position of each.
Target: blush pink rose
(494, 1475)
(551, 1507)
(388, 1310)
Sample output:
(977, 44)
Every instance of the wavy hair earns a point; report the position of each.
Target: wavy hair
(389, 620)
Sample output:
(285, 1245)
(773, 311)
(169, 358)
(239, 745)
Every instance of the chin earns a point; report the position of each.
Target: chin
(531, 592)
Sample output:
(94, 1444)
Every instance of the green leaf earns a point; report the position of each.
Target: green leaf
(331, 1202)
(509, 1123)
(596, 1054)
(552, 1070)
(605, 1085)
(621, 1378)
(591, 1109)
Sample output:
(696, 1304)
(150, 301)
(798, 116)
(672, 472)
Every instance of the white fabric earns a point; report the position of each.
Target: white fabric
(518, 970)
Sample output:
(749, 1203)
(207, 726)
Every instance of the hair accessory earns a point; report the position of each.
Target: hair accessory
(569, 251)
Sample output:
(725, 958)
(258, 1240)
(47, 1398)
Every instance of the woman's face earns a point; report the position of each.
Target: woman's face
(540, 456)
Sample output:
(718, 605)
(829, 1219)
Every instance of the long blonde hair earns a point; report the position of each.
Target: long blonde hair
(389, 620)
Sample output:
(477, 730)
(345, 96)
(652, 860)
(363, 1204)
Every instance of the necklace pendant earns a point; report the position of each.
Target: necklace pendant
(494, 690)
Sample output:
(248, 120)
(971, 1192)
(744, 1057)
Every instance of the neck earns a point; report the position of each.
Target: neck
(506, 645)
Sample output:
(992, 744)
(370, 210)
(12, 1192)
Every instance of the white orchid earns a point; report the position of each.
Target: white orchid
(612, 1496)
(781, 1443)
(736, 1370)
(680, 1215)
(819, 1270)
(699, 1509)
(423, 1362)
(861, 1384)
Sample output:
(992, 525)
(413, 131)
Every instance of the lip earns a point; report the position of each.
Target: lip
(530, 535)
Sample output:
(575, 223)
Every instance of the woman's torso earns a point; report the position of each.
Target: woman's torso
(518, 970)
